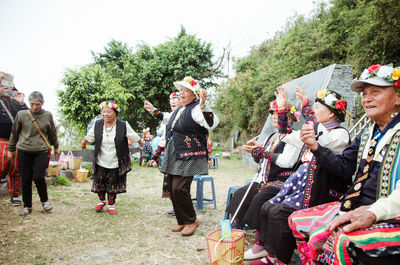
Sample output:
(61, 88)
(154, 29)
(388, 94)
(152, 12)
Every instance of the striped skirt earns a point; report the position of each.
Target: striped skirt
(7, 167)
(338, 247)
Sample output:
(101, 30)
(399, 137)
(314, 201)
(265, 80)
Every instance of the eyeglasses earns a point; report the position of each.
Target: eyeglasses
(174, 100)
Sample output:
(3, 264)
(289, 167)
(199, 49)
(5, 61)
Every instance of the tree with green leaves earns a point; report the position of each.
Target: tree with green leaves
(85, 88)
(147, 73)
(353, 32)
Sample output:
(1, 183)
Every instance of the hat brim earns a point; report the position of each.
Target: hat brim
(181, 84)
(359, 85)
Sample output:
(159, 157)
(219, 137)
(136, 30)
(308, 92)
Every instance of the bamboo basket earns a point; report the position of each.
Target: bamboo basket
(80, 175)
(222, 251)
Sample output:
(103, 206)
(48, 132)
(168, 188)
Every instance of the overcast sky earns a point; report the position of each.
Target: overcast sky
(40, 39)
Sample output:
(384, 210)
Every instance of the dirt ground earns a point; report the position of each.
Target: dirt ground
(73, 233)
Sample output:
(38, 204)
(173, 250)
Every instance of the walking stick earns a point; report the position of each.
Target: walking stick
(244, 198)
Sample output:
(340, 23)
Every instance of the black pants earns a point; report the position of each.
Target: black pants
(32, 167)
(181, 199)
(235, 201)
(275, 232)
(252, 217)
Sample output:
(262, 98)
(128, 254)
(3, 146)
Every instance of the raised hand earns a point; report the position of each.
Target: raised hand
(281, 99)
(203, 97)
(301, 96)
(20, 98)
(148, 106)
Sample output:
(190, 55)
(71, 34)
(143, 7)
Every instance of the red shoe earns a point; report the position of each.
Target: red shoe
(111, 209)
(100, 206)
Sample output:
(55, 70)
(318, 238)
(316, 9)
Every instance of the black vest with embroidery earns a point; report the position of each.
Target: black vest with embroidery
(121, 144)
(190, 139)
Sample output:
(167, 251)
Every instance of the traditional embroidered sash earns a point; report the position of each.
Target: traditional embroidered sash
(363, 142)
(355, 190)
(388, 172)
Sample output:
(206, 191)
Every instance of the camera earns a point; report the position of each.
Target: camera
(10, 94)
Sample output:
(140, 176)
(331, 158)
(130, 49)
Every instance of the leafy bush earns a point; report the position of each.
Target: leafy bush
(62, 181)
(89, 168)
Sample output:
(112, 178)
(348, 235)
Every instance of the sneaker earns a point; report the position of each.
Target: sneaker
(25, 211)
(16, 201)
(170, 212)
(47, 206)
(99, 207)
(111, 209)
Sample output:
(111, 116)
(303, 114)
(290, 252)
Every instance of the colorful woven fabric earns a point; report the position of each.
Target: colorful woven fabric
(283, 122)
(379, 240)
(304, 222)
(337, 247)
(10, 169)
(308, 112)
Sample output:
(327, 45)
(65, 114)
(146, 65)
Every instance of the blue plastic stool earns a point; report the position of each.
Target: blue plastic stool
(228, 199)
(200, 201)
(214, 160)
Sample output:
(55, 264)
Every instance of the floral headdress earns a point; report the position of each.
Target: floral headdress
(190, 83)
(174, 95)
(383, 71)
(110, 104)
(379, 75)
(290, 108)
(334, 101)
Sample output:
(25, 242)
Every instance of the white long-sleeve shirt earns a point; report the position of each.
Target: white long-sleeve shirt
(389, 207)
(107, 156)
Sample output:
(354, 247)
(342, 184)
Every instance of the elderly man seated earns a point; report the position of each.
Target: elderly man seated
(364, 227)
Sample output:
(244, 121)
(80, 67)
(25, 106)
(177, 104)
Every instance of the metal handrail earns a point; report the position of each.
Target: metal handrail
(361, 124)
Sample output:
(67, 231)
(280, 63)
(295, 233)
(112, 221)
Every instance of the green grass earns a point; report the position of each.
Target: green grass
(74, 233)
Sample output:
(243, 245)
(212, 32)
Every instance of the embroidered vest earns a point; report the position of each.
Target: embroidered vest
(190, 139)
(389, 172)
(121, 145)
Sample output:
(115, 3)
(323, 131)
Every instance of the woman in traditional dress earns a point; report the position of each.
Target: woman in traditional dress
(111, 160)
(277, 161)
(353, 230)
(311, 184)
(186, 150)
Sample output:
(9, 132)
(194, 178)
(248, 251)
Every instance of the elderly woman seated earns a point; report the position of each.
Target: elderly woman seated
(364, 226)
